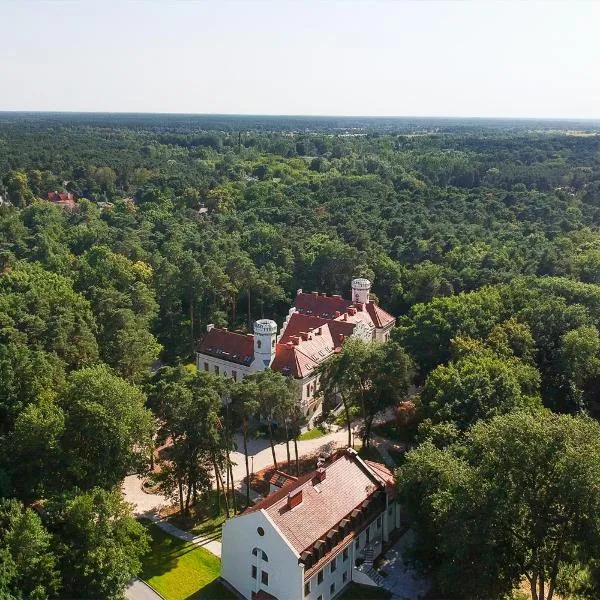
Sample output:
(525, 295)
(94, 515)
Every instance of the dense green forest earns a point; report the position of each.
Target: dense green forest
(482, 236)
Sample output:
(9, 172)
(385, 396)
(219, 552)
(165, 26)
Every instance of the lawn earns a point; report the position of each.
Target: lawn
(178, 570)
(312, 434)
(205, 518)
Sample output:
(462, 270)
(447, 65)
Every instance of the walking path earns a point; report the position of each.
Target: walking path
(212, 544)
(401, 580)
(140, 590)
(147, 505)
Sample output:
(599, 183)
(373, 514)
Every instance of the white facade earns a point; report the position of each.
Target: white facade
(265, 334)
(361, 288)
(241, 536)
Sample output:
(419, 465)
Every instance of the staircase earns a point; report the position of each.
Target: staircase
(368, 569)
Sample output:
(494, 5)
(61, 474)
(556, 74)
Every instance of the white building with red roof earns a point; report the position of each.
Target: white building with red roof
(315, 327)
(315, 535)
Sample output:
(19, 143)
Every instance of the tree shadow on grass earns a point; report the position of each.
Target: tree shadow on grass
(215, 590)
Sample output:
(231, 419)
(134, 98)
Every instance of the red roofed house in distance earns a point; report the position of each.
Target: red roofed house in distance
(315, 327)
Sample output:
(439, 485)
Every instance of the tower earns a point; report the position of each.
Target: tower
(360, 290)
(265, 332)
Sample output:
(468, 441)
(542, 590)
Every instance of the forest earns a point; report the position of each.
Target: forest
(481, 236)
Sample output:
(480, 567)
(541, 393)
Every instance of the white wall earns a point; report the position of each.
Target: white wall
(240, 536)
(225, 366)
(337, 577)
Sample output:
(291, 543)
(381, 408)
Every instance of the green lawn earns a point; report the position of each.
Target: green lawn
(205, 518)
(178, 570)
(312, 434)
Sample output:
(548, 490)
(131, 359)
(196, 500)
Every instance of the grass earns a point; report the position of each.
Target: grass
(312, 434)
(363, 592)
(179, 570)
(205, 519)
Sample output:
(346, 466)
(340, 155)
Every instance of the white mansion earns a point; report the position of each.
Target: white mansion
(315, 327)
(311, 538)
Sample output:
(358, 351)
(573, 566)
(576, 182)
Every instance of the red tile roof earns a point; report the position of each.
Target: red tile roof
(61, 199)
(348, 483)
(320, 305)
(228, 345)
(279, 479)
(289, 360)
(379, 317)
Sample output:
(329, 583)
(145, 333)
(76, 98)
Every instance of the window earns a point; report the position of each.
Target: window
(345, 555)
(332, 589)
(260, 531)
(308, 390)
(334, 565)
(378, 522)
(357, 543)
(345, 577)
(255, 551)
(234, 375)
(265, 557)
(216, 369)
(258, 344)
(206, 366)
(264, 578)
(307, 588)
(273, 344)
(320, 577)
(253, 571)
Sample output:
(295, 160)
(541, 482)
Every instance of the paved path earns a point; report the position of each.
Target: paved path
(212, 544)
(148, 505)
(140, 590)
(401, 580)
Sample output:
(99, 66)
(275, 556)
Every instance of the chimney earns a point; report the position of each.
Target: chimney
(294, 498)
(320, 474)
(299, 292)
(359, 307)
(304, 335)
(314, 293)
(323, 294)
(352, 311)
(337, 314)
(210, 327)
(295, 340)
(319, 331)
(341, 338)
(345, 316)
(290, 344)
(335, 296)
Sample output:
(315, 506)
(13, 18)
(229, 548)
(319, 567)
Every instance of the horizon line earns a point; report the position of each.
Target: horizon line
(294, 115)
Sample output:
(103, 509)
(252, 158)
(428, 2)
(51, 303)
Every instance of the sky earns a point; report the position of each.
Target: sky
(476, 58)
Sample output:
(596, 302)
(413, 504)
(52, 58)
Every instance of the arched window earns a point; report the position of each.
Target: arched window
(258, 344)
(259, 552)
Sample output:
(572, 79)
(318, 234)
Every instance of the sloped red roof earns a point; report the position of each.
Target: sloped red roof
(279, 479)
(290, 360)
(61, 198)
(299, 322)
(228, 345)
(348, 483)
(379, 317)
(320, 305)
